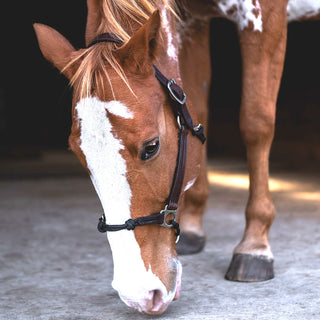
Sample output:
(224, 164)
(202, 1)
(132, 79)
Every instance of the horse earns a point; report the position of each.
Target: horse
(129, 109)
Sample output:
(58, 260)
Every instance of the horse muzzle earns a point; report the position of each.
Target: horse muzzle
(149, 294)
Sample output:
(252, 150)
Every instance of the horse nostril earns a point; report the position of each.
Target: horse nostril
(156, 297)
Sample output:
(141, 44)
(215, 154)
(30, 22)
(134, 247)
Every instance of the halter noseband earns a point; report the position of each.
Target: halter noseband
(185, 124)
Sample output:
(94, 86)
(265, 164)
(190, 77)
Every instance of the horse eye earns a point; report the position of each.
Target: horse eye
(150, 149)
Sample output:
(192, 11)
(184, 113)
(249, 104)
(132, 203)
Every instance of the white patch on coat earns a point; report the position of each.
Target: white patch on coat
(242, 12)
(190, 184)
(108, 173)
(171, 49)
(298, 9)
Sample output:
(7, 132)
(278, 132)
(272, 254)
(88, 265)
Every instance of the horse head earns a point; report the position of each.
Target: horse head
(125, 134)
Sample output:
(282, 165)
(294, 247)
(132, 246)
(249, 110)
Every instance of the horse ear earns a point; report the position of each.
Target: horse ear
(55, 47)
(93, 20)
(141, 50)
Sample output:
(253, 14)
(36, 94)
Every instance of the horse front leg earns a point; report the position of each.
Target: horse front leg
(263, 58)
(194, 57)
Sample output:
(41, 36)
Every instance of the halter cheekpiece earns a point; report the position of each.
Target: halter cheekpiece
(185, 124)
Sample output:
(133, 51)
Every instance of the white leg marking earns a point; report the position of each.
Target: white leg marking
(265, 252)
(108, 174)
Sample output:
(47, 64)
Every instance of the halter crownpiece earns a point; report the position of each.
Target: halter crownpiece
(105, 37)
(184, 121)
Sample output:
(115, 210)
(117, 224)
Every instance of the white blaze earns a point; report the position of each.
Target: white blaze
(102, 152)
(108, 173)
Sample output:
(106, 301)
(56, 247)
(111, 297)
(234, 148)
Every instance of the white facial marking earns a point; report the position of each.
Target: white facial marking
(242, 12)
(119, 109)
(298, 9)
(171, 49)
(108, 173)
(101, 149)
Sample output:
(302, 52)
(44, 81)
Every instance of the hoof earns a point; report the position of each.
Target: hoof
(250, 268)
(190, 243)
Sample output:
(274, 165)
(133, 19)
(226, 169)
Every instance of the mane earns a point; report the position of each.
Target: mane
(117, 17)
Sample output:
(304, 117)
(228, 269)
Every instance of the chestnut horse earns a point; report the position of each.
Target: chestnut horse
(125, 133)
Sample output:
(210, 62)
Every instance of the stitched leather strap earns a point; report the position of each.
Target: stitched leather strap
(105, 37)
(178, 177)
(130, 224)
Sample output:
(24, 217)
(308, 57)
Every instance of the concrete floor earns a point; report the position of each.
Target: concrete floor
(55, 265)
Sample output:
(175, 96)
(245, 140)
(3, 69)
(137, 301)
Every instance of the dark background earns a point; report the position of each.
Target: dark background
(35, 100)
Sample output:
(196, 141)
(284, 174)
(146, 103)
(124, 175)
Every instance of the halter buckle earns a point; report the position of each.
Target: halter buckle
(165, 213)
(173, 95)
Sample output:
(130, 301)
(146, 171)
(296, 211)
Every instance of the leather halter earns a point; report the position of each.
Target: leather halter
(185, 124)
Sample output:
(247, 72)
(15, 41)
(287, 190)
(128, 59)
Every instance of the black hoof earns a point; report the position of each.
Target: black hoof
(250, 268)
(190, 243)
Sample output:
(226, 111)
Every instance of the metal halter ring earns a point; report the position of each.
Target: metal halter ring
(197, 128)
(166, 212)
(173, 95)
